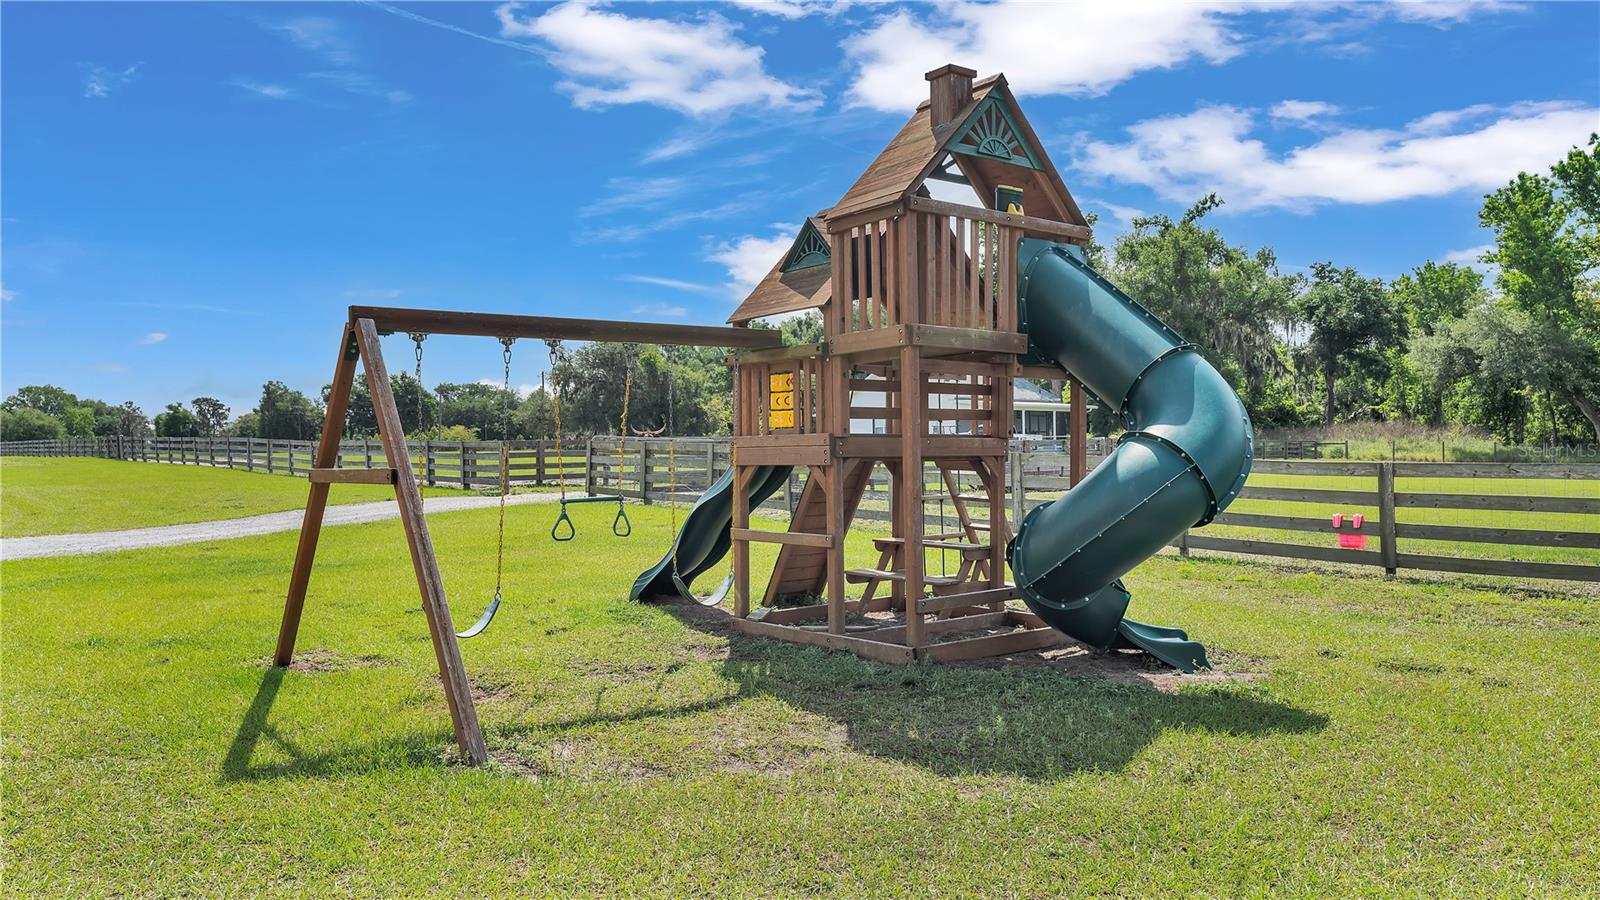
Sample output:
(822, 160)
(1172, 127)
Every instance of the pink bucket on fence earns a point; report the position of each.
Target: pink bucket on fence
(1350, 540)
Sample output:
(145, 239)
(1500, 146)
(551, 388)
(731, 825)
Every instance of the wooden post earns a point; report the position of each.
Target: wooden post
(1386, 529)
(1018, 501)
(457, 690)
(269, 456)
(913, 427)
(538, 462)
(317, 500)
(741, 547)
(834, 487)
(466, 482)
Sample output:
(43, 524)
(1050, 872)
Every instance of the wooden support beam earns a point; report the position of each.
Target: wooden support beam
(993, 645)
(352, 476)
(741, 547)
(439, 321)
(344, 371)
(913, 427)
(796, 538)
(452, 672)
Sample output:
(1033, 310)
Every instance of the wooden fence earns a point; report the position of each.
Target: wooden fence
(1524, 520)
(462, 464)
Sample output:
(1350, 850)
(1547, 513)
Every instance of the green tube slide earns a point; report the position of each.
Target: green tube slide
(1183, 459)
(704, 539)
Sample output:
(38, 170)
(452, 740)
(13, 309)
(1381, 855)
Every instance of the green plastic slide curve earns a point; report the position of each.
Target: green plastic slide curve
(705, 537)
(1183, 459)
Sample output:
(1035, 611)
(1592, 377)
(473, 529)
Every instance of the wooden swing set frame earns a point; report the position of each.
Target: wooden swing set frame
(359, 342)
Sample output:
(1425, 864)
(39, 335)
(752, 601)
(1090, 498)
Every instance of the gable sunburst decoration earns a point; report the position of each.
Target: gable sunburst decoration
(994, 134)
(809, 250)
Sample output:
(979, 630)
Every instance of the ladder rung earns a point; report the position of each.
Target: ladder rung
(979, 498)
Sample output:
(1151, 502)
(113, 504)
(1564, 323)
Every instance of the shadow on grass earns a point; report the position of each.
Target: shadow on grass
(1029, 721)
(254, 728)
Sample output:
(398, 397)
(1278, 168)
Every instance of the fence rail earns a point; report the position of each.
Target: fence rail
(464, 464)
(1441, 517)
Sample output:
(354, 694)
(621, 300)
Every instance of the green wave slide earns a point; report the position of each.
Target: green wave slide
(704, 539)
(1183, 458)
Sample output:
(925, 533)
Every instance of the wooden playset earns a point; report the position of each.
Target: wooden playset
(925, 306)
(918, 303)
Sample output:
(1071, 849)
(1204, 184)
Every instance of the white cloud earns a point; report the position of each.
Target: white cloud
(695, 67)
(1302, 112)
(1184, 156)
(320, 35)
(1123, 215)
(370, 294)
(273, 91)
(692, 287)
(660, 311)
(101, 82)
(1445, 12)
(1471, 258)
(626, 192)
(361, 85)
(748, 259)
(522, 390)
(1043, 48)
(793, 9)
(154, 337)
(7, 295)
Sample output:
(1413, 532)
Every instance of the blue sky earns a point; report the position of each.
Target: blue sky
(192, 193)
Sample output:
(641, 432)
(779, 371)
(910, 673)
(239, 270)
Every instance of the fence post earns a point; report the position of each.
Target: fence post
(1386, 529)
(538, 462)
(1183, 543)
(588, 468)
(465, 483)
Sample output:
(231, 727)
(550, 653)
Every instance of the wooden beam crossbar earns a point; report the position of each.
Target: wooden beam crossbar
(393, 319)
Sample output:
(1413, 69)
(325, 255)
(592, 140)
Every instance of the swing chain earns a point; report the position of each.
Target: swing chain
(417, 337)
(555, 405)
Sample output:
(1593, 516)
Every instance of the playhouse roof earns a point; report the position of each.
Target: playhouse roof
(919, 148)
(989, 141)
(802, 279)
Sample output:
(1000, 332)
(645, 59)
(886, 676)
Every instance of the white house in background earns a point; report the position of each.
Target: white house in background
(1038, 414)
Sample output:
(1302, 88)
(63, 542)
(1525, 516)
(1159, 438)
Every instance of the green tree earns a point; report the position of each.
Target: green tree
(417, 406)
(177, 421)
(805, 328)
(1225, 298)
(247, 425)
(212, 414)
(1434, 293)
(1350, 318)
(46, 398)
(285, 413)
(24, 423)
(78, 421)
(1547, 242)
(482, 407)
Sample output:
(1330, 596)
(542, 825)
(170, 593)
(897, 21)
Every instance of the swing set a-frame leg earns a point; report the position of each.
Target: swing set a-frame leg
(359, 342)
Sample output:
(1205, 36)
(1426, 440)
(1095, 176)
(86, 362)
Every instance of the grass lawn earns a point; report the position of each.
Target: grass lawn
(58, 495)
(1402, 737)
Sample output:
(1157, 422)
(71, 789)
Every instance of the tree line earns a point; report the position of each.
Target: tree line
(1517, 357)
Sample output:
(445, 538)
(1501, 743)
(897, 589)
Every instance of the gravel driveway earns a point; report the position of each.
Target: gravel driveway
(172, 535)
